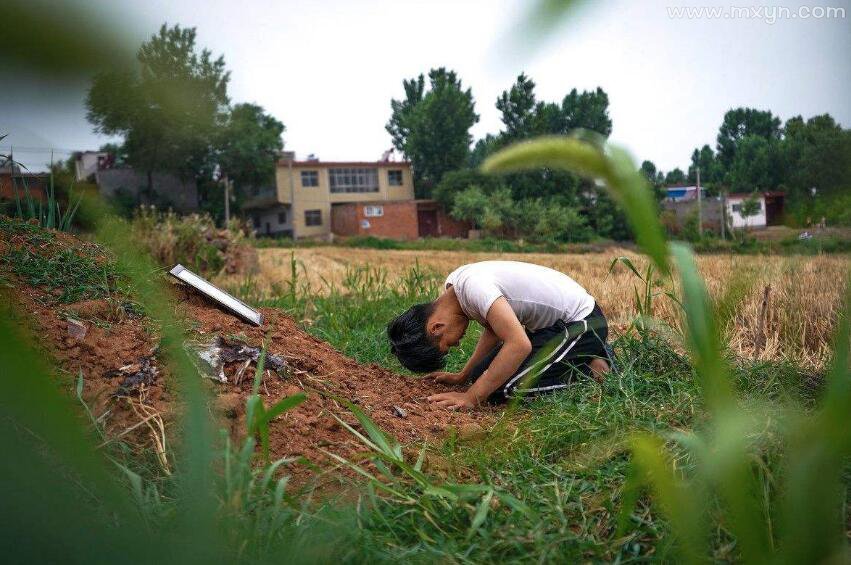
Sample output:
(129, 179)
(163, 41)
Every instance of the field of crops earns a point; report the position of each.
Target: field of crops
(774, 307)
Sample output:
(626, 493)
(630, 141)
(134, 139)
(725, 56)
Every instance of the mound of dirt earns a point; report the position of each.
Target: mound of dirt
(129, 388)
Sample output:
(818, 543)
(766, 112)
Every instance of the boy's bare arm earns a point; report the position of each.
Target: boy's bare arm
(515, 347)
(487, 341)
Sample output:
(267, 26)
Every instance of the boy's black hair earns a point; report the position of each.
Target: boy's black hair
(410, 342)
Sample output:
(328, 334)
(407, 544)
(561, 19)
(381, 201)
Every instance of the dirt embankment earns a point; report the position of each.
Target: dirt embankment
(126, 383)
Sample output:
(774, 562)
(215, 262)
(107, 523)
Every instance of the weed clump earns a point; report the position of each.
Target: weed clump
(69, 273)
(194, 241)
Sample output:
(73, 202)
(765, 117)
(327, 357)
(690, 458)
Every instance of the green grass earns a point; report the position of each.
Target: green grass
(70, 274)
(484, 245)
(565, 455)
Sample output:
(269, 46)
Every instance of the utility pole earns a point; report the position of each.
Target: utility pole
(699, 207)
(227, 201)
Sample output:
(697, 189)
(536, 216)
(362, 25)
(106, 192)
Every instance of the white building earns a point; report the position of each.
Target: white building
(734, 212)
(87, 163)
(769, 211)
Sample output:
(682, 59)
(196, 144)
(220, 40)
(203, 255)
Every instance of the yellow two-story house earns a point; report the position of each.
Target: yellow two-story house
(305, 192)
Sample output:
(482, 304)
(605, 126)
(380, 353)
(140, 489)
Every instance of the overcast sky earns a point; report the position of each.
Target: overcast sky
(328, 69)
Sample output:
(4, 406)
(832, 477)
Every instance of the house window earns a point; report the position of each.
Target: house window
(353, 180)
(737, 208)
(257, 222)
(282, 217)
(394, 178)
(309, 178)
(373, 211)
(313, 217)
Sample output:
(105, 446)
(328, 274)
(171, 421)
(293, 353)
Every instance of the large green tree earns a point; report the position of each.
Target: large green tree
(818, 153)
(711, 172)
(523, 116)
(758, 165)
(168, 109)
(249, 143)
(431, 127)
(740, 123)
(517, 106)
(675, 177)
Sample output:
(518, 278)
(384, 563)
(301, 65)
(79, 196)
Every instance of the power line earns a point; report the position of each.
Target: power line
(25, 149)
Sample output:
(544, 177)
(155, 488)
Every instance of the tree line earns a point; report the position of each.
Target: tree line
(174, 115)
(754, 152)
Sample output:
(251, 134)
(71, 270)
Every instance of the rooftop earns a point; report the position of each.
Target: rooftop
(317, 164)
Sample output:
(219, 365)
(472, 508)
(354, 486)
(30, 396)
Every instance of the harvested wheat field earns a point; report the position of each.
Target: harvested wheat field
(772, 307)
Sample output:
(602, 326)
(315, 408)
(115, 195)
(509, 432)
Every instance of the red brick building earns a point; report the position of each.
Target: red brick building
(395, 219)
(12, 182)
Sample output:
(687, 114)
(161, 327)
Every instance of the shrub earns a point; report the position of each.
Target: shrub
(194, 241)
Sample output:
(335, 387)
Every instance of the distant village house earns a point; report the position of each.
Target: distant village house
(117, 181)
(314, 199)
(680, 202)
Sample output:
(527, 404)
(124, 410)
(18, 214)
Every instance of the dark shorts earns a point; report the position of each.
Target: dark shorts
(560, 354)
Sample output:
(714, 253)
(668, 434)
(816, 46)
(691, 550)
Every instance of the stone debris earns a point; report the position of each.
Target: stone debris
(77, 329)
(136, 375)
(216, 355)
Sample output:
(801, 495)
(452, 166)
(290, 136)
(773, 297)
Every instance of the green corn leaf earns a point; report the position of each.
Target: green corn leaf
(701, 335)
(559, 152)
(263, 431)
(678, 501)
(358, 435)
(387, 446)
(481, 514)
(258, 371)
(515, 504)
(280, 490)
(253, 410)
(440, 492)
(728, 465)
(626, 262)
(420, 459)
(283, 405)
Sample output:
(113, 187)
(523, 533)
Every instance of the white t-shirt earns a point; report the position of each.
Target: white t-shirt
(539, 296)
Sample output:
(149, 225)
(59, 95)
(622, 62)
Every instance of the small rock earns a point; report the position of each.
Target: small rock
(77, 330)
(401, 412)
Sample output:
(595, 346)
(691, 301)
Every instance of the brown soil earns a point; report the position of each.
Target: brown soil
(114, 339)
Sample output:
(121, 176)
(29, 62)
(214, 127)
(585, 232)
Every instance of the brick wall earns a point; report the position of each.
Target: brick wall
(35, 184)
(399, 220)
(449, 226)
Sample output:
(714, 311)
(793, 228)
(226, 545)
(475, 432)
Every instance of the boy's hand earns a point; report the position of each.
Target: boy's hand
(453, 400)
(448, 378)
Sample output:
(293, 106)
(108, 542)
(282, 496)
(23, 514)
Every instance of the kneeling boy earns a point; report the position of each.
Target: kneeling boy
(541, 329)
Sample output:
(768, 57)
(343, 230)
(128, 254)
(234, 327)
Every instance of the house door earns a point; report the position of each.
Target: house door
(427, 221)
